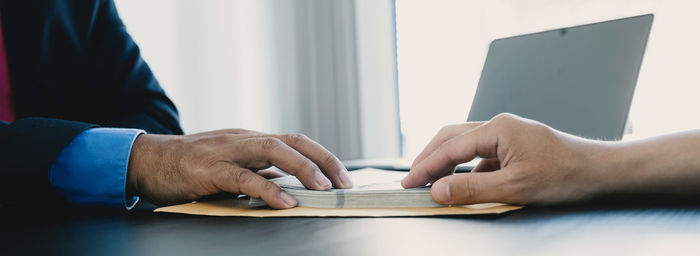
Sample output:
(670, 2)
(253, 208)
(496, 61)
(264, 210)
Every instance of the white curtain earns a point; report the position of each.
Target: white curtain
(313, 67)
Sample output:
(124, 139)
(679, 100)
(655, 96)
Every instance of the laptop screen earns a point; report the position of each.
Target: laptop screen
(579, 80)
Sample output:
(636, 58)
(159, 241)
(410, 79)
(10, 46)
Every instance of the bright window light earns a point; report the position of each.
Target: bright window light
(442, 45)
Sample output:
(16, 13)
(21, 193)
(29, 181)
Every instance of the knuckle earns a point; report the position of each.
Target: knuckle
(270, 143)
(329, 160)
(504, 117)
(269, 187)
(307, 166)
(446, 129)
(243, 177)
(506, 123)
(296, 138)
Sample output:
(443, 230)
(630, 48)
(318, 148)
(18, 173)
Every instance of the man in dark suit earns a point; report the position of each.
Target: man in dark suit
(68, 69)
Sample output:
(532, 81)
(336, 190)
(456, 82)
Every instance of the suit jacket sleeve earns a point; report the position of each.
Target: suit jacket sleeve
(28, 147)
(136, 99)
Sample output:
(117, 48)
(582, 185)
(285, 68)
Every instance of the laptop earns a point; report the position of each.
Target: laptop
(579, 80)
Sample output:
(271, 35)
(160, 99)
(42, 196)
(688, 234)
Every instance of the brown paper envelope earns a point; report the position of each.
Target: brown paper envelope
(238, 207)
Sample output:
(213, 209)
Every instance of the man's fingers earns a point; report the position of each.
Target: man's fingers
(460, 149)
(270, 174)
(470, 188)
(284, 157)
(446, 133)
(239, 180)
(329, 164)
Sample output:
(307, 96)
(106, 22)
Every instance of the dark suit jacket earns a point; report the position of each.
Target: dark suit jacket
(70, 60)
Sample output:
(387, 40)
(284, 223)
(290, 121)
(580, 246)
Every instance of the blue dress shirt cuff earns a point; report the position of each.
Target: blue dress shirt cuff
(91, 170)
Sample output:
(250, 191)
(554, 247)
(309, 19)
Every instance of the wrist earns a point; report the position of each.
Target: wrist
(602, 167)
(661, 165)
(626, 167)
(133, 175)
(150, 155)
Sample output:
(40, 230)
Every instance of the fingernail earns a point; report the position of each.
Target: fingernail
(345, 179)
(288, 199)
(441, 191)
(322, 181)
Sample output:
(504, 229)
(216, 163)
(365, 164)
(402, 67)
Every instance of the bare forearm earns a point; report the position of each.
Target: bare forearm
(667, 164)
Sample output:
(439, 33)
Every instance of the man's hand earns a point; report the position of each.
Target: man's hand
(526, 162)
(167, 169)
(523, 162)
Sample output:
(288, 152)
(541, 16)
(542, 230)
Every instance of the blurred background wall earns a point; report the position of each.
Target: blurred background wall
(331, 69)
(323, 68)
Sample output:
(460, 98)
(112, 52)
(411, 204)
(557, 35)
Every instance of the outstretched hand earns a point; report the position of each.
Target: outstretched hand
(523, 161)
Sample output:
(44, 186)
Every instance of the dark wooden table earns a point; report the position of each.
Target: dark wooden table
(656, 228)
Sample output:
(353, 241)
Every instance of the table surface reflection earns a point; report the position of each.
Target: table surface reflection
(608, 228)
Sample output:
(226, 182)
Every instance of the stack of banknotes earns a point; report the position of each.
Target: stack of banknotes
(373, 188)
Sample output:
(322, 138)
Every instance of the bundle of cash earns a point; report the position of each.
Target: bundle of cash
(373, 188)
